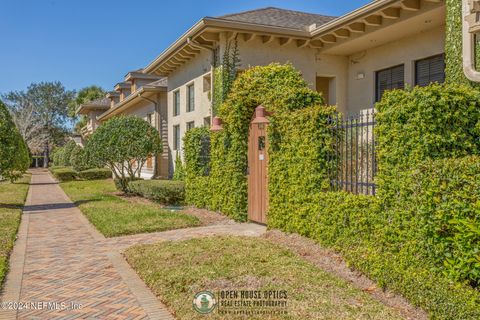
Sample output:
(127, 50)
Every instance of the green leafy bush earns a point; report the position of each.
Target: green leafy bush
(162, 191)
(78, 159)
(67, 152)
(124, 184)
(64, 174)
(95, 174)
(123, 144)
(445, 202)
(58, 156)
(14, 154)
(420, 236)
(280, 89)
(179, 174)
(434, 122)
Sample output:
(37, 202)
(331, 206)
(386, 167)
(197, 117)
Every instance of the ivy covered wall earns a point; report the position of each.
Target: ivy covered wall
(453, 45)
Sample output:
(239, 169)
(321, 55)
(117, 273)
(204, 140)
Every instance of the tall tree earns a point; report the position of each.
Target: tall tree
(14, 157)
(49, 101)
(85, 95)
(27, 121)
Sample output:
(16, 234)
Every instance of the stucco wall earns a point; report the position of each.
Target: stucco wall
(307, 60)
(349, 94)
(192, 72)
(361, 92)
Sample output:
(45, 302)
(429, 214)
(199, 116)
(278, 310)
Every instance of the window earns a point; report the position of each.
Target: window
(190, 98)
(207, 83)
(176, 137)
(176, 103)
(391, 78)
(190, 125)
(430, 70)
(206, 122)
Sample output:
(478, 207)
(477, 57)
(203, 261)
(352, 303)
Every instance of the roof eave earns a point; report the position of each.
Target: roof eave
(85, 108)
(221, 24)
(354, 15)
(123, 105)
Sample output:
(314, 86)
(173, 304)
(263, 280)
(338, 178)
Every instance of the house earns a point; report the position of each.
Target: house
(350, 59)
(91, 110)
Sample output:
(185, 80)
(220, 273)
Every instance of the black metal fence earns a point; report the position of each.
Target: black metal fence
(353, 163)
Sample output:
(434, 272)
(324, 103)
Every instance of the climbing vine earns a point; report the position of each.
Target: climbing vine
(453, 45)
(225, 71)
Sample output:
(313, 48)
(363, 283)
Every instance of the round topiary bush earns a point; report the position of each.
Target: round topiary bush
(123, 144)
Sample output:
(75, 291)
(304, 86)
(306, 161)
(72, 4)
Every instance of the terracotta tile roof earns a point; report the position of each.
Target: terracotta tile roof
(277, 17)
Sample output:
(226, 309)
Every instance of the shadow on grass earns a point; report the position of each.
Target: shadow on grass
(42, 183)
(10, 206)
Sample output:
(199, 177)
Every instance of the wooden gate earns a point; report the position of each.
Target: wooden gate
(257, 167)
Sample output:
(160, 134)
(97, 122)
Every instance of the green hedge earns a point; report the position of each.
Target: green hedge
(64, 173)
(434, 122)
(420, 236)
(446, 201)
(162, 191)
(95, 174)
(299, 153)
(280, 89)
(68, 173)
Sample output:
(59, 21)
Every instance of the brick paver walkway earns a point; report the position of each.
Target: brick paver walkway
(64, 269)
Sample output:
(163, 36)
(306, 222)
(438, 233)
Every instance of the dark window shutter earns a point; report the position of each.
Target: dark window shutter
(388, 79)
(430, 70)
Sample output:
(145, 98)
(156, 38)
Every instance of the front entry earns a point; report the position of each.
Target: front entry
(257, 167)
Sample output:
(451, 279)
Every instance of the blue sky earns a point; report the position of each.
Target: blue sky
(84, 42)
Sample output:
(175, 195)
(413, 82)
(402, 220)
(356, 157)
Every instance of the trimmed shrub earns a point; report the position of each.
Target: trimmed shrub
(58, 156)
(162, 191)
(179, 174)
(123, 144)
(280, 89)
(445, 203)
(420, 236)
(14, 154)
(434, 122)
(77, 159)
(123, 184)
(95, 174)
(64, 174)
(67, 152)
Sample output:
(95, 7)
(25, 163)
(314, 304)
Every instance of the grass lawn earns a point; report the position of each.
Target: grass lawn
(114, 216)
(176, 271)
(12, 198)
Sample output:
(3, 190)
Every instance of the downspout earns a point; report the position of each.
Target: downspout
(157, 120)
(469, 17)
(197, 45)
